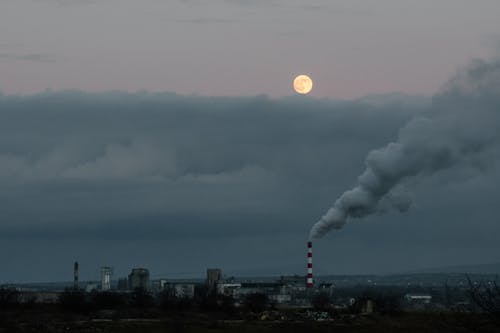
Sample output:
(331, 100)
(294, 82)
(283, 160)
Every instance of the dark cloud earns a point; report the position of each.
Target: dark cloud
(82, 175)
(128, 155)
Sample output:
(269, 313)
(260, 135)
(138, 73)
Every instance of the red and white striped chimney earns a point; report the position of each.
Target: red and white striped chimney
(309, 265)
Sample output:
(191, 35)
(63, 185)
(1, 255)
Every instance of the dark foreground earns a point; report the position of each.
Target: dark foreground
(196, 322)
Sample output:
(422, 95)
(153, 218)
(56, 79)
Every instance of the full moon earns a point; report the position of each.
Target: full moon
(302, 84)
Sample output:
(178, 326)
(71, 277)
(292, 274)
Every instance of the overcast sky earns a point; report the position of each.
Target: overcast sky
(166, 174)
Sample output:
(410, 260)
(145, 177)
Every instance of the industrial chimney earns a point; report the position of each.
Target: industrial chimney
(75, 276)
(309, 265)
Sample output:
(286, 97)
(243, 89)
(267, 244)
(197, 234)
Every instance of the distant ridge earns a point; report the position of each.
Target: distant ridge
(493, 268)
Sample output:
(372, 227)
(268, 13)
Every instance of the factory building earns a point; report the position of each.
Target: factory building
(183, 290)
(90, 287)
(122, 284)
(106, 273)
(138, 279)
(228, 289)
(214, 275)
(278, 292)
(158, 286)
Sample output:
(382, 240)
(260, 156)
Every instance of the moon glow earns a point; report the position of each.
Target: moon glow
(302, 84)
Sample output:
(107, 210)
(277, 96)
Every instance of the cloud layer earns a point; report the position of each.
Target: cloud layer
(127, 179)
(114, 156)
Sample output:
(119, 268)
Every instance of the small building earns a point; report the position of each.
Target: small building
(280, 298)
(44, 297)
(422, 299)
(90, 287)
(227, 289)
(183, 290)
(158, 286)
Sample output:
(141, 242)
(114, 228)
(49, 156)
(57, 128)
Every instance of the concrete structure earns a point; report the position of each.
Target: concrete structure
(157, 286)
(277, 292)
(183, 290)
(309, 265)
(106, 273)
(367, 306)
(326, 288)
(162, 284)
(75, 276)
(214, 275)
(227, 289)
(423, 299)
(280, 298)
(46, 297)
(90, 287)
(122, 284)
(138, 279)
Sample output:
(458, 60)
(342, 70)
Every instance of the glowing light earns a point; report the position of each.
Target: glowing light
(302, 84)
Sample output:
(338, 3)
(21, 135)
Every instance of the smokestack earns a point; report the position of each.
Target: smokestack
(75, 276)
(309, 265)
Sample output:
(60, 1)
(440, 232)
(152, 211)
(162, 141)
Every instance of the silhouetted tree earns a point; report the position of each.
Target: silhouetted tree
(321, 302)
(200, 292)
(385, 301)
(141, 298)
(389, 302)
(256, 302)
(209, 303)
(9, 297)
(74, 300)
(107, 300)
(168, 301)
(485, 296)
(227, 304)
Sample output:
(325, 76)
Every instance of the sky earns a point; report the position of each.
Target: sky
(166, 135)
(350, 48)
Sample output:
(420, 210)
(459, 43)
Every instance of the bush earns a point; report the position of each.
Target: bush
(141, 298)
(107, 300)
(256, 302)
(321, 302)
(170, 302)
(9, 297)
(74, 300)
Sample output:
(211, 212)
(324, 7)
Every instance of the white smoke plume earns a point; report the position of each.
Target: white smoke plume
(462, 126)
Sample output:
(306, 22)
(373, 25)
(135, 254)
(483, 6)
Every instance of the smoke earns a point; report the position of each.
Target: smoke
(461, 128)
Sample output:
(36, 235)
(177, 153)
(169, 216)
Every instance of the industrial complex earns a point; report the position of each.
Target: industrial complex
(417, 291)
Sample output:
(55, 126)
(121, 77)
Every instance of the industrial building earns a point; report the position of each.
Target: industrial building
(122, 284)
(106, 273)
(214, 275)
(182, 290)
(139, 279)
(287, 290)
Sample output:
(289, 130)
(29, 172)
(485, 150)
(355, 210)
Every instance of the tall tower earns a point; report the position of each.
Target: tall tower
(214, 275)
(139, 279)
(309, 265)
(106, 273)
(75, 276)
